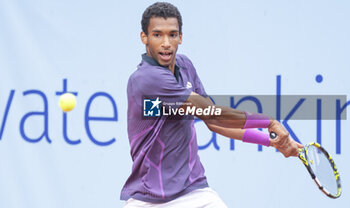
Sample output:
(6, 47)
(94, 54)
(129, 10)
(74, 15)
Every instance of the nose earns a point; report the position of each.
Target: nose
(166, 42)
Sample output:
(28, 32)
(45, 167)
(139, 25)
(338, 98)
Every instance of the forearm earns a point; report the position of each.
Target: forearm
(227, 132)
(229, 118)
(246, 135)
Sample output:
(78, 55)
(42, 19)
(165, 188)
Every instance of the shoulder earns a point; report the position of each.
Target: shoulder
(186, 64)
(148, 77)
(183, 61)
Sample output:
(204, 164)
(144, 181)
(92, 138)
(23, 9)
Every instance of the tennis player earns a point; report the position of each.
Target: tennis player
(166, 170)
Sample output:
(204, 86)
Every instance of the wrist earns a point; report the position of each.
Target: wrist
(256, 137)
(256, 120)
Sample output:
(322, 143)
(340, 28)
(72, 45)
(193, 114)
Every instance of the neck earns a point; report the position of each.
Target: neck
(172, 67)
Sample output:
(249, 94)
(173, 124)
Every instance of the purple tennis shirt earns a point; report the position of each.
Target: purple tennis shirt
(164, 149)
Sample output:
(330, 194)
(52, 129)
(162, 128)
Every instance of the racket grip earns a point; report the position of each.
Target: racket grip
(273, 135)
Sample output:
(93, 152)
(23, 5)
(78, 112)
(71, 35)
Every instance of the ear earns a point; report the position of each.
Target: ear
(180, 36)
(144, 38)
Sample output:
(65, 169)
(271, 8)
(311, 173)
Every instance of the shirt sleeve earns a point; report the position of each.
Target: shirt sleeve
(198, 86)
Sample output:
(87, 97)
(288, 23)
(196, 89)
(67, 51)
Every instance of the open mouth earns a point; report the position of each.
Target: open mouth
(165, 55)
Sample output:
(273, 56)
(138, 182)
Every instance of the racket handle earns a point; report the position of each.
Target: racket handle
(273, 135)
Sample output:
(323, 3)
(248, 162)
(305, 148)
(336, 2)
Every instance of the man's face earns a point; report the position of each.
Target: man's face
(162, 40)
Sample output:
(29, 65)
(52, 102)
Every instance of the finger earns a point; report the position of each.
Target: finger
(300, 145)
(296, 153)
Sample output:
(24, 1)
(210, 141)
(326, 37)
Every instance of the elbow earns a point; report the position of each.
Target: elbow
(209, 125)
(210, 121)
(208, 113)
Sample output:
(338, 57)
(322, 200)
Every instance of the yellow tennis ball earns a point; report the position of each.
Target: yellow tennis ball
(67, 102)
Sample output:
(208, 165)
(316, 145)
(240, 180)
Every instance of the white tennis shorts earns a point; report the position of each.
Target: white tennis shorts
(199, 198)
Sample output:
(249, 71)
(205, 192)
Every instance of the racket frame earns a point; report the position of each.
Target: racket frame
(303, 156)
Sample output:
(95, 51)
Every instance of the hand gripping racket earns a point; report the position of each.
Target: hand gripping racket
(321, 167)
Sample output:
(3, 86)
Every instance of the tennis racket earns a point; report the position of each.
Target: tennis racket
(321, 167)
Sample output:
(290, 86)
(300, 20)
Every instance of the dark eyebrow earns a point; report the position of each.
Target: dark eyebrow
(158, 31)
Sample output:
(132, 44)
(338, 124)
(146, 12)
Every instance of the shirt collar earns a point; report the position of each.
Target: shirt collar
(153, 62)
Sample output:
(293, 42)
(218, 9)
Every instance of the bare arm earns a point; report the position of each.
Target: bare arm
(229, 118)
(230, 122)
(227, 132)
(287, 146)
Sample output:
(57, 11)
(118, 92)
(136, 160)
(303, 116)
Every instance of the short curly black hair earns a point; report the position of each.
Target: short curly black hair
(160, 9)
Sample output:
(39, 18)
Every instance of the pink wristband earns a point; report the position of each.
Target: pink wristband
(256, 137)
(256, 120)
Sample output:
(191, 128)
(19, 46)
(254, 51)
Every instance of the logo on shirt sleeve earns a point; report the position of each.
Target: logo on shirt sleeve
(189, 85)
(151, 107)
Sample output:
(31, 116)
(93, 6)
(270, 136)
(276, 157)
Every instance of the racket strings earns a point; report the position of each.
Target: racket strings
(322, 168)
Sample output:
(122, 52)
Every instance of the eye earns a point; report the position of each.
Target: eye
(173, 35)
(156, 35)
